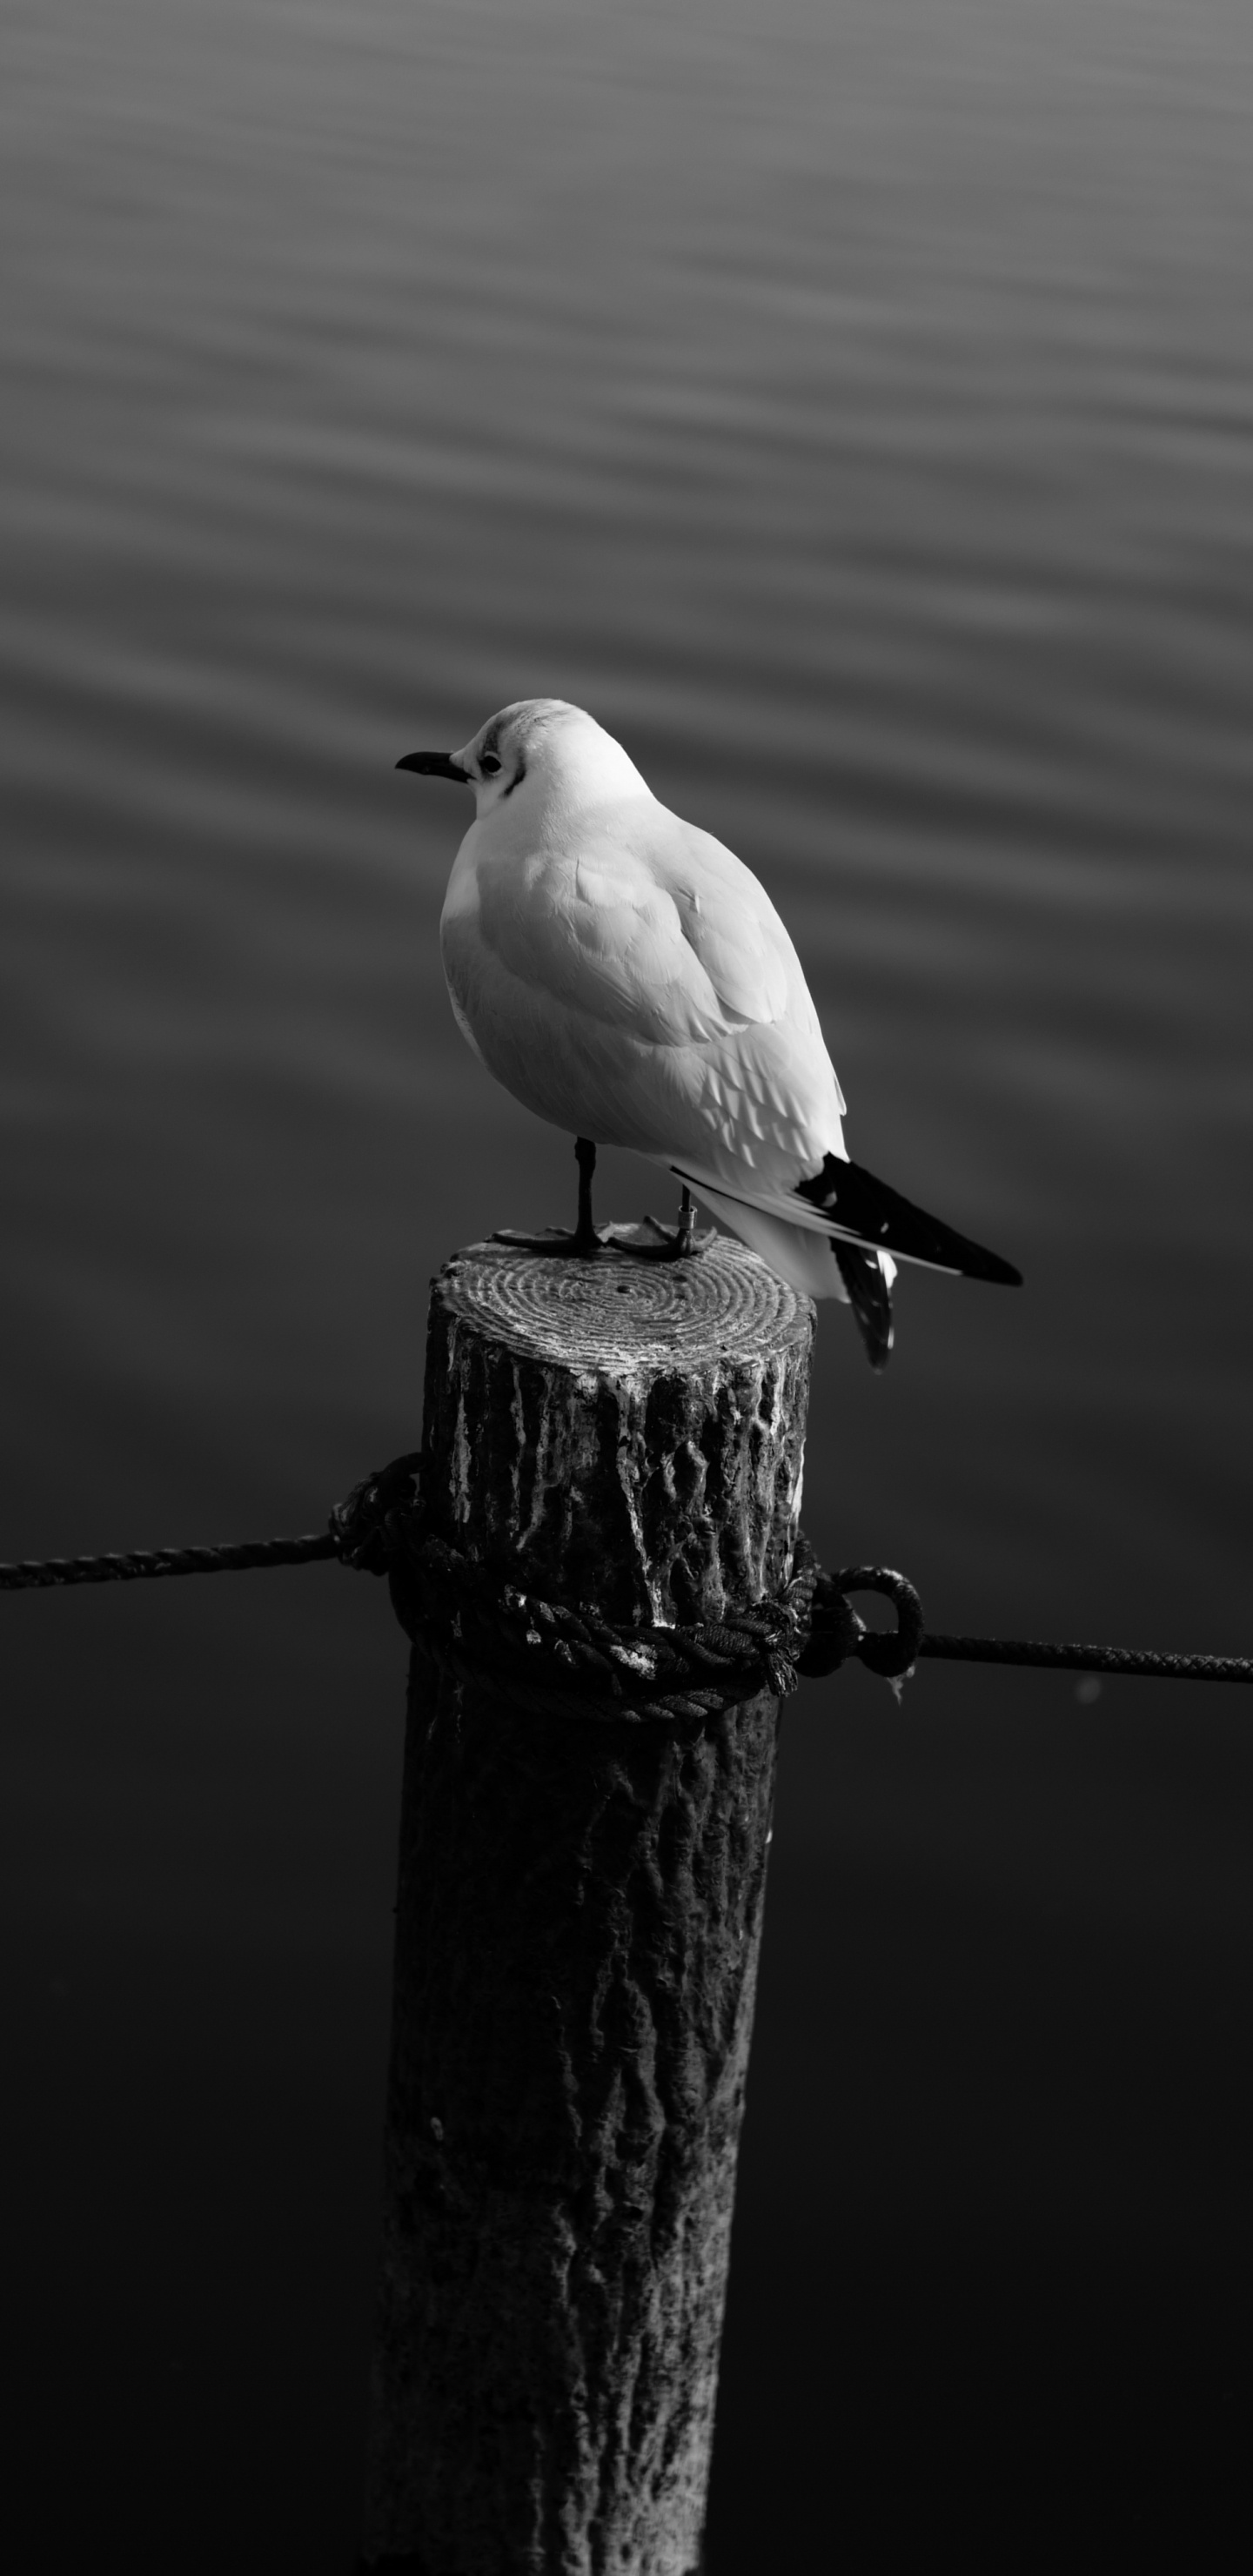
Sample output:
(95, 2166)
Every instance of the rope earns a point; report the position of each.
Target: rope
(477, 1621)
(1140, 1661)
(32, 1574)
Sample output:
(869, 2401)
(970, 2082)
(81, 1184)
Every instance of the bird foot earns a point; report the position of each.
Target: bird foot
(585, 1242)
(559, 1244)
(681, 1245)
(556, 1241)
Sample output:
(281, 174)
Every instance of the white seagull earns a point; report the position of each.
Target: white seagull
(628, 979)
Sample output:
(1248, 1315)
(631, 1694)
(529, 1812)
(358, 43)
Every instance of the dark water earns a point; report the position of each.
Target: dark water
(853, 406)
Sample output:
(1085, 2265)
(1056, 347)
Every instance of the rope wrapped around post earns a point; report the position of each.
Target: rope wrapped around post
(473, 1617)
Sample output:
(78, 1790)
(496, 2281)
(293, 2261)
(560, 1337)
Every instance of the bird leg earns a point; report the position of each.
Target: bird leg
(586, 1238)
(585, 1242)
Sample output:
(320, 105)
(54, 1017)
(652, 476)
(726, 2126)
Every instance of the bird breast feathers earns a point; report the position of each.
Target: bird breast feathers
(659, 931)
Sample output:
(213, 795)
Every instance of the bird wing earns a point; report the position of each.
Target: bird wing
(636, 924)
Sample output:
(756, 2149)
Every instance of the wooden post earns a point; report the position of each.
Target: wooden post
(578, 1924)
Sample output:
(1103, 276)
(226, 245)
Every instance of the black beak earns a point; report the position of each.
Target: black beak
(435, 764)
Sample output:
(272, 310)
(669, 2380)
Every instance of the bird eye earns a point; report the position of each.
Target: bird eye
(489, 764)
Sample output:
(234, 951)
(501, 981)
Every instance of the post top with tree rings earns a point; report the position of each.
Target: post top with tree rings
(617, 1434)
(615, 1316)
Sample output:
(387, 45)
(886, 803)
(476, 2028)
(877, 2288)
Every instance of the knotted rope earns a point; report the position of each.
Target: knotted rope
(474, 1618)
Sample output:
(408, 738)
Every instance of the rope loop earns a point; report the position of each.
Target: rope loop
(892, 1655)
(836, 1631)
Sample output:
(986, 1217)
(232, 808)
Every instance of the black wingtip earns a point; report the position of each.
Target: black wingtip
(979, 1263)
(855, 1200)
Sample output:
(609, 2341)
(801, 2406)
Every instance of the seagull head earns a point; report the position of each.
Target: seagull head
(541, 742)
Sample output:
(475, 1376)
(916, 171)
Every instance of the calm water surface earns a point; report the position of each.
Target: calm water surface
(853, 406)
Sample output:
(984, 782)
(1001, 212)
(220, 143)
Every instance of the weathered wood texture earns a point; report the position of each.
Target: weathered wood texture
(578, 1926)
